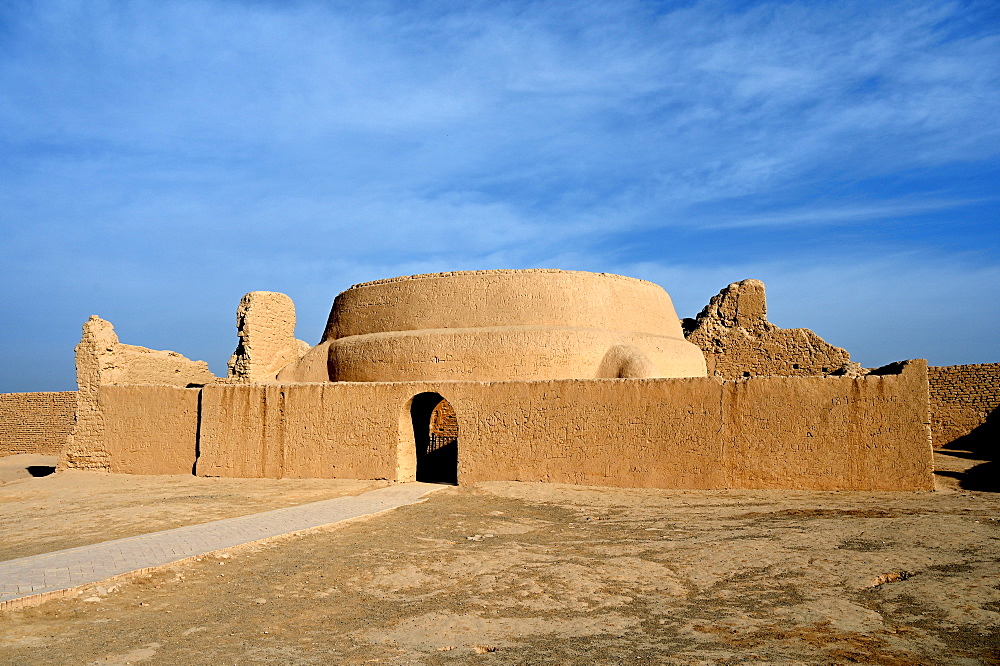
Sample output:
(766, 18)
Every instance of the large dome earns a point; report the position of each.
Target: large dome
(506, 325)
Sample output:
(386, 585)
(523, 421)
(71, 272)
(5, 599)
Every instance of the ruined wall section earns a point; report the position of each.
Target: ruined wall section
(962, 398)
(102, 360)
(38, 423)
(738, 341)
(265, 323)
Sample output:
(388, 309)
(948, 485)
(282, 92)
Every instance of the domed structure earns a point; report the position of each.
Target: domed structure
(501, 325)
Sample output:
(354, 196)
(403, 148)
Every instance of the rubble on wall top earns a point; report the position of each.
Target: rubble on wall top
(498, 271)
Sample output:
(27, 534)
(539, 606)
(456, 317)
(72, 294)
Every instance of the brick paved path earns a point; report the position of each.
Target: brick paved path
(62, 570)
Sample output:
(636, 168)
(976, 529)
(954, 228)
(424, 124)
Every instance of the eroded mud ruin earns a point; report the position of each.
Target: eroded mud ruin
(534, 375)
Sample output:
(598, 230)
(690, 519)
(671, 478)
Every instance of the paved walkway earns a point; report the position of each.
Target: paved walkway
(53, 573)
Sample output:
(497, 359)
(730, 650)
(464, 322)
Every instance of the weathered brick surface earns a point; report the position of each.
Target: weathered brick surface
(738, 341)
(962, 397)
(102, 360)
(36, 423)
(444, 421)
(266, 324)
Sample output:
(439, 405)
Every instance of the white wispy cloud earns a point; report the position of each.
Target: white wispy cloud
(845, 213)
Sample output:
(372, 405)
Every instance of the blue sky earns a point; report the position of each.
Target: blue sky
(158, 160)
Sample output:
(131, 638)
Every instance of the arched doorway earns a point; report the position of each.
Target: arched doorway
(435, 432)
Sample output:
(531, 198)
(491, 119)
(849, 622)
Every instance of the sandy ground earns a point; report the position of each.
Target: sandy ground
(508, 573)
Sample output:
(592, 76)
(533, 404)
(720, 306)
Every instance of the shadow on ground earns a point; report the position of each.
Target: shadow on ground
(26, 465)
(982, 444)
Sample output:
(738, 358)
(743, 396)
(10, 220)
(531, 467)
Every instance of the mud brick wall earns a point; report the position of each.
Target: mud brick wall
(822, 433)
(789, 352)
(37, 423)
(332, 430)
(962, 397)
(808, 433)
(101, 360)
(149, 429)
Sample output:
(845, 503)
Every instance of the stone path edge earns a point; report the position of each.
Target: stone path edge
(36, 599)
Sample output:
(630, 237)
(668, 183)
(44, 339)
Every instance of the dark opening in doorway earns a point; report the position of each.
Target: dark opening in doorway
(435, 432)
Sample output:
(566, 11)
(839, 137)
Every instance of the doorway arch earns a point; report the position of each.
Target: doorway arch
(435, 434)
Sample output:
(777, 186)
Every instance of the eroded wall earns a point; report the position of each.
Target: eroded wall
(962, 398)
(38, 423)
(101, 360)
(739, 341)
(265, 324)
(868, 433)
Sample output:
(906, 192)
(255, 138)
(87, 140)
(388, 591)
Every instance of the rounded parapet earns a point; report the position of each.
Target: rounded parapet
(486, 299)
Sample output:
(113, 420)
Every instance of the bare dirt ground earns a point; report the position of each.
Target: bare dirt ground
(508, 573)
(73, 508)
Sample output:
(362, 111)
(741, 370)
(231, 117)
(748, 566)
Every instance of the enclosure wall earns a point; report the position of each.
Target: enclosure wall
(962, 398)
(770, 432)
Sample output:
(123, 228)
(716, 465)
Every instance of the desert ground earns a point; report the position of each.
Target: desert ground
(523, 573)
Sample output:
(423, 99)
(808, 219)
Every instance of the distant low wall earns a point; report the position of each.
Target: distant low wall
(36, 422)
(837, 433)
(962, 397)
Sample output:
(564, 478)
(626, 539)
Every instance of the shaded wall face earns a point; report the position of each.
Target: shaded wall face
(776, 432)
(38, 423)
(962, 398)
